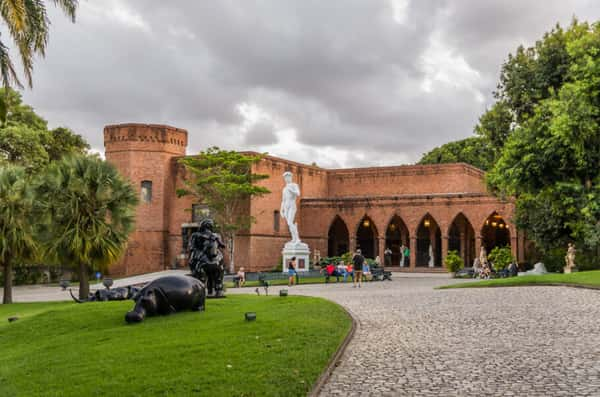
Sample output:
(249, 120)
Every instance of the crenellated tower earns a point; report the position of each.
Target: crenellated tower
(145, 154)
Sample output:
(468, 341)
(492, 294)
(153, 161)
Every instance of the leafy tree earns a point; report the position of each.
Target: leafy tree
(495, 126)
(528, 76)
(223, 180)
(475, 151)
(551, 163)
(532, 74)
(17, 240)
(28, 25)
(90, 212)
(25, 139)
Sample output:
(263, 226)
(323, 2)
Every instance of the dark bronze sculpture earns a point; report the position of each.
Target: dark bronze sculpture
(103, 295)
(166, 295)
(206, 258)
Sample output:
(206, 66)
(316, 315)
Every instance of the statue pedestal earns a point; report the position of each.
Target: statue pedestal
(300, 251)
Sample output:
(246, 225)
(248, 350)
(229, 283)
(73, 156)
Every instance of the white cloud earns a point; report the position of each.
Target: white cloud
(115, 11)
(442, 65)
(400, 10)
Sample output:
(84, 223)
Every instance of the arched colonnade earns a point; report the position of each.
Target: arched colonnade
(428, 238)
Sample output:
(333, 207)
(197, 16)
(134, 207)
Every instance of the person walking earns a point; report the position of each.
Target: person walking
(292, 271)
(358, 260)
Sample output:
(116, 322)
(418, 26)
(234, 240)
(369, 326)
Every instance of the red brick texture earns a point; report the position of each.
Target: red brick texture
(412, 193)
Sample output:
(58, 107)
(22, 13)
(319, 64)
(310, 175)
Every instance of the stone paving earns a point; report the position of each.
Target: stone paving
(414, 340)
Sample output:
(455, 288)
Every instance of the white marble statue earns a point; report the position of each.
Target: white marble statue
(291, 191)
(431, 259)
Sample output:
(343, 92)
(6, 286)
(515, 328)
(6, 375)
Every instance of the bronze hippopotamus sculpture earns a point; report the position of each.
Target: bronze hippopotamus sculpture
(167, 295)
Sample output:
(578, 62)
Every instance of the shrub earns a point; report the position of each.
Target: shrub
(453, 261)
(501, 257)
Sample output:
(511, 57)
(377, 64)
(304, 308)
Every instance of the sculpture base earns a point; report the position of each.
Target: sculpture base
(302, 253)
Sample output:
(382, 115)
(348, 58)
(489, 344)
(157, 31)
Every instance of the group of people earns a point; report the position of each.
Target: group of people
(482, 267)
(358, 269)
(404, 256)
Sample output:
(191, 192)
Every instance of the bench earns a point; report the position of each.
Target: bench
(380, 274)
(336, 275)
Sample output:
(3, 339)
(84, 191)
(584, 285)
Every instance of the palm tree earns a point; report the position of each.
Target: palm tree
(91, 211)
(17, 241)
(28, 25)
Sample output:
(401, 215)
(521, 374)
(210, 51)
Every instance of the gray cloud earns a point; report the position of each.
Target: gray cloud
(372, 85)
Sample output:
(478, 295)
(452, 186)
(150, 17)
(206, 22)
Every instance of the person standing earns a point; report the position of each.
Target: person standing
(387, 256)
(402, 248)
(406, 256)
(292, 271)
(358, 260)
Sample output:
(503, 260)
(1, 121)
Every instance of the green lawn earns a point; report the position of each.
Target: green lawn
(68, 349)
(591, 278)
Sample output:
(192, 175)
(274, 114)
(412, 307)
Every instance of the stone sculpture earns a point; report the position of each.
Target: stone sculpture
(431, 259)
(294, 247)
(538, 269)
(483, 257)
(570, 259)
(291, 191)
(166, 295)
(103, 295)
(206, 258)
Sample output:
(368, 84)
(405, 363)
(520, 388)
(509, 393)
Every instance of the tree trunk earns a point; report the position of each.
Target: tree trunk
(231, 252)
(84, 282)
(7, 283)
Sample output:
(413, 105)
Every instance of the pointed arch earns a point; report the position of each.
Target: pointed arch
(396, 239)
(429, 242)
(366, 237)
(461, 238)
(495, 232)
(338, 237)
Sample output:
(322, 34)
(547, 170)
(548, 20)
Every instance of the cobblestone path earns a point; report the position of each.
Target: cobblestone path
(414, 340)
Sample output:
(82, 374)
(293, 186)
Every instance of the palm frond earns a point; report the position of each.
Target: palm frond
(7, 69)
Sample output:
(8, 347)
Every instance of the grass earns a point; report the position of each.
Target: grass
(68, 349)
(591, 278)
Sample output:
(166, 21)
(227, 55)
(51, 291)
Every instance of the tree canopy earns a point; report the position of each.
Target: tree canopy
(17, 236)
(540, 140)
(476, 151)
(90, 211)
(223, 180)
(551, 162)
(26, 140)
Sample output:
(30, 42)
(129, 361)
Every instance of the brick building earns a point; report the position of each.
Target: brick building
(445, 206)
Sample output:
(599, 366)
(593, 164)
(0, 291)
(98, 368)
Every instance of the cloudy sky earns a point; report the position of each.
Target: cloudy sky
(340, 83)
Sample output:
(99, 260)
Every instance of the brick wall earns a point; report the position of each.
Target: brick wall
(441, 192)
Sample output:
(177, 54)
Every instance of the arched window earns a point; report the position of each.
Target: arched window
(146, 191)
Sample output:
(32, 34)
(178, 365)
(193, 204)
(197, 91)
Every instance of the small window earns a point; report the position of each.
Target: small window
(276, 221)
(200, 212)
(146, 191)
